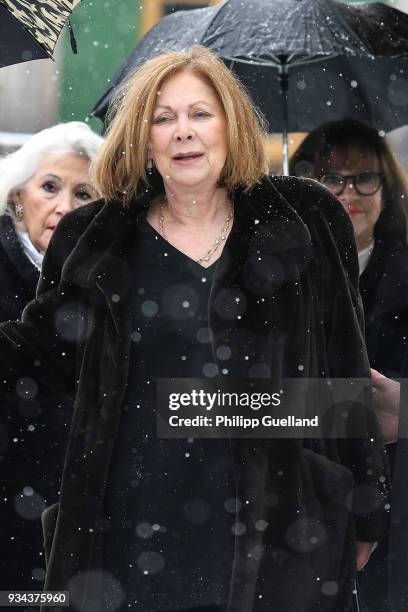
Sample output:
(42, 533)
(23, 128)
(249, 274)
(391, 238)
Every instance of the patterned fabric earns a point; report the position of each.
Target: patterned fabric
(44, 19)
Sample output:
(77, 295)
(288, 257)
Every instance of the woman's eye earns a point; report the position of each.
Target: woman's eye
(83, 195)
(49, 187)
(162, 119)
(201, 115)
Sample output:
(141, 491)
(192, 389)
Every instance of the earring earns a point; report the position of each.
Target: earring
(150, 162)
(19, 211)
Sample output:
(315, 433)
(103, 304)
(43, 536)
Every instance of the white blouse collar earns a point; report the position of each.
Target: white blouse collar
(364, 256)
(36, 257)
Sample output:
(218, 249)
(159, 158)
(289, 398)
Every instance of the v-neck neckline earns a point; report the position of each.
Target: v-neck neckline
(168, 244)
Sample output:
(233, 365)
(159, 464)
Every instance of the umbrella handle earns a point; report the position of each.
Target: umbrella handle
(74, 45)
(356, 599)
(284, 87)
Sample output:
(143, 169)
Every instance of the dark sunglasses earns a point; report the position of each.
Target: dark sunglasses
(365, 183)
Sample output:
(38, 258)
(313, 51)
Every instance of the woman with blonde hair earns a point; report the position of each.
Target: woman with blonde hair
(197, 265)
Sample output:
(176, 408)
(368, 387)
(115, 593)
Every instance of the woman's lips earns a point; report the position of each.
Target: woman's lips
(354, 211)
(186, 159)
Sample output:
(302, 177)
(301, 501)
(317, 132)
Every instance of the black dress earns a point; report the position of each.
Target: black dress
(171, 503)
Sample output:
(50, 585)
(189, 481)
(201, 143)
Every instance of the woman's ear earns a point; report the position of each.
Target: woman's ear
(16, 196)
(17, 205)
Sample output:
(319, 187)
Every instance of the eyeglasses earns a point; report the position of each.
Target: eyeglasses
(365, 183)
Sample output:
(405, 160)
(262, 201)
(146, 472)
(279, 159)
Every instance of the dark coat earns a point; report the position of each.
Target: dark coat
(398, 538)
(384, 291)
(24, 433)
(20, 537)
(297, 269)
(18, 276)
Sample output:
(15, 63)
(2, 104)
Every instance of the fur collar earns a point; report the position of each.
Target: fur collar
(263, 220)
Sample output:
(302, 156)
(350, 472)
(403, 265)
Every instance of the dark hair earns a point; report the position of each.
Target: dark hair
(313, 158)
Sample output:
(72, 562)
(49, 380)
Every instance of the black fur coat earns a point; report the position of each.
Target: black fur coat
(297, 268)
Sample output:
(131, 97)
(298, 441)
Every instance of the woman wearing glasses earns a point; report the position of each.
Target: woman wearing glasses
(357, 165)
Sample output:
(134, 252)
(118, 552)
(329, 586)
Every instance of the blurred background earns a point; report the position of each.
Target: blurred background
(38, 94)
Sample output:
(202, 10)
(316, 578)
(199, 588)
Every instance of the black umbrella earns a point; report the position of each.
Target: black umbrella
(340, 60)
(30, 30)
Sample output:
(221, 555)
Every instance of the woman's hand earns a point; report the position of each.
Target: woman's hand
(363, 552)
(386, 405)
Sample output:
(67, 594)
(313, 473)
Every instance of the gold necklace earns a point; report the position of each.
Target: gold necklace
(217, 242)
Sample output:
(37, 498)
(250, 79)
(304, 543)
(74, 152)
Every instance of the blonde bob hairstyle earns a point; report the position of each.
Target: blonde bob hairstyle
(119, 169)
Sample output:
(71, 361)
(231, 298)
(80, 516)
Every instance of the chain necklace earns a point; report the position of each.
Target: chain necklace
(217, 242)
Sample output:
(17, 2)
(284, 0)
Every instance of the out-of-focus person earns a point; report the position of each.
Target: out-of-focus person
(391, 406)
(358, 166)
(39, 184)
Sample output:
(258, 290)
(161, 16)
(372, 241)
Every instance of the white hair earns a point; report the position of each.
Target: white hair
(16, 169)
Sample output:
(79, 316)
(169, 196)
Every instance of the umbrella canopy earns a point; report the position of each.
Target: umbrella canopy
(30, 30)
(304, 28)
(337, 60)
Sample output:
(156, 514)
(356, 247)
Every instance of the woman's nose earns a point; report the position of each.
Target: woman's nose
(180, 137)
(350, 185)
(65, 203)
(349, 190)
(183, 130)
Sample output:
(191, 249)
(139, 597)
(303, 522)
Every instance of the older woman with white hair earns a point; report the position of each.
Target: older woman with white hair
(39, 184)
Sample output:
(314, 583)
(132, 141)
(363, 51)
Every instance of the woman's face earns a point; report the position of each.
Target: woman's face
(188, 137)
(364, 210)
(60, 184)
